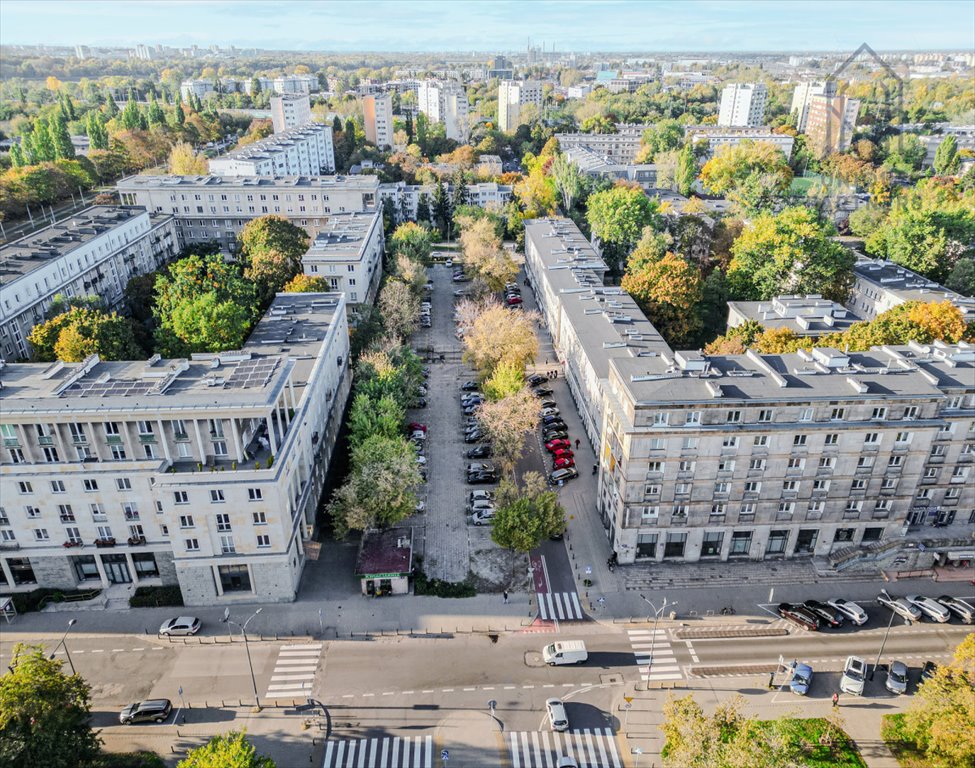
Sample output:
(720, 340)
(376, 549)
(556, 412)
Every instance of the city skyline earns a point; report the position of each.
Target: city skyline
(613, 25)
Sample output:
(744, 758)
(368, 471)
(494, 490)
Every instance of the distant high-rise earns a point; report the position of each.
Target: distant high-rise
(82, 52)
(143, 52)
(378, 114)
(445, 102)
(802, 98)
(830, 123)
(512, 96)
(743, 105)
(290, 110)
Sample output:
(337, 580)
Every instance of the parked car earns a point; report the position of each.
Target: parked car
(472, 398)
(554, 445)
(564, 461)
(798, 616)
(474, 506)
(548, 404)
(562, 475)
(418, 434)
(483, 517)
(896, 677)
(480, 466)
(479, 452)
(801, 679)
(449, 263)
(469, 386)
(900, 606)
(854, 676)
(928, 670)
(824, 613)
(415, 426)
(851, 610)
(550, 410)
(181, 625)
(961, 609)
(553, 419)
(420, 403)
(482, 478)
(541, 391)
(425, 324)
(473, 436)
(536, 379)
(930, 608)
(555, 434)
(470, 410)
(562, 453)
(513, 300)
(557, 717)
(480, 496)
(151, 710)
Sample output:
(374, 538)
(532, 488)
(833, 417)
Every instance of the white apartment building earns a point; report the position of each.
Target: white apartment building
(306, 150)
(199, 88)
(290, 110)
(94, 252)
(743, 104)
(718, 136)
(752, 456)
(490, 165)
(578, 91)
(810, 315)
(378, 113)
(621, 147)
(512, 96)
(216, 208)
(294, 84)
(880, 285)
(348, 253)
(406, 197)
(830, 123)
(445, 101)
(204, 473)
(592, 164)
(802, 98)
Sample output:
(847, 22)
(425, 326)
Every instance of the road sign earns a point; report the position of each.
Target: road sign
(627, 705)
(588, 570)
(628, 699)
(444, 755)
(492, 704)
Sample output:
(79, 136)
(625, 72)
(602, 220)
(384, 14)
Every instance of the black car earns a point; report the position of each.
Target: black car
(479, 452)
(482, 478)
(928, 670)
(548, 404)
(152, 710)
(541, 391)
(420, 403)
(824, 613)
(799, 616)
(552, 434)
(536, 379)
(553, 422)
(474, 436)
(562, 475)
(469, 386)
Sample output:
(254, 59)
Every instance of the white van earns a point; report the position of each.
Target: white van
(566, 652)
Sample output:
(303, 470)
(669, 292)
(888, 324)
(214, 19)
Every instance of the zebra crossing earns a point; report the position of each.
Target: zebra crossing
(595, 748)
(294, 671)
(381, 752)
(563, 606)
(664, 664)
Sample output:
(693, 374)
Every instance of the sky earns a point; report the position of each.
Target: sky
(497, 25)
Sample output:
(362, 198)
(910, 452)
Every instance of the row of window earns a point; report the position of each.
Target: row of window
(871, 440)
(741, 542)
(881, 508)
(798, 464)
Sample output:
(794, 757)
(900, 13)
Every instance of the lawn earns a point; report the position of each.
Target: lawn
(806, 735)
(801, 184)
(907, 754)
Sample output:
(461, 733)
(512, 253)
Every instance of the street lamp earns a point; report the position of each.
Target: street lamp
(64, 645)
(243, 631)
(882, 644)
(653, 635)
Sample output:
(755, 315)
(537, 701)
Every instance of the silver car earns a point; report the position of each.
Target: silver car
(908, 611)
(897, 677)
(851, 610)
(854, 676)
(930, 608)
(959, 607)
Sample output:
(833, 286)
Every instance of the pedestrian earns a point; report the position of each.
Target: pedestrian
(836, 699)
(595, 468)
(771, 680)
(577, 443)
(505, 596)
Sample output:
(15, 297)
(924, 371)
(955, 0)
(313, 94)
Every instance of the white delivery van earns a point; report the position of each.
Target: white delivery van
(566, 652)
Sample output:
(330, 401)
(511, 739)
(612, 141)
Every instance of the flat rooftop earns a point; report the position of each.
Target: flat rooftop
(804, 315)
(909, 285)
(135, 183)
(285, 343)
(344, 234)
(276, 142)
(33, 251)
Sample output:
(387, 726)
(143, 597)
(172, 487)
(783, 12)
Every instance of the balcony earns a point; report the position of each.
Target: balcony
(45, 440)
(136, 541)
(147, 438)
(132, 516)
(102, 543)
(11, 442)
(113, 439)
(181, 437)
(68, 519)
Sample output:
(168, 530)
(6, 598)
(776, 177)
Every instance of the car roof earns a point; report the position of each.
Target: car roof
(804, 668)
(900, 666)
(154, 703)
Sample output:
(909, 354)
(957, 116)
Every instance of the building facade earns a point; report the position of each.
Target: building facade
(290, 111)
(743, 105)
(94, 252)
(831, 123)
(445, 102)
(881, 285)
(306, 150)
(717, 136)
(406, 197)
(204, 473)
(620, 147)
(348, 253)
(802, 98)
(512, 96)
(216, 208)
(378, 113)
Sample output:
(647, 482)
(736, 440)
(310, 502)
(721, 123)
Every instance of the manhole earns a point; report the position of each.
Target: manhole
(611, 679)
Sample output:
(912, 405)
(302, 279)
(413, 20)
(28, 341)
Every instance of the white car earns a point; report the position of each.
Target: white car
(854, 676)
(851, 610)
(449, 263)
(930, 608)
(556, 715)
(181, 625)
(908, 611)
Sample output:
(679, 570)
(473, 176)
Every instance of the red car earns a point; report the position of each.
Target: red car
(512, 300)
(562, 453)
(555, 445)
(567, 461)
(418, 426)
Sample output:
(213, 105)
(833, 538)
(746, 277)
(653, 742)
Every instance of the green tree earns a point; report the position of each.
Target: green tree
(962, 277)
(179, 116)
(669, 290)
(17, 156)
(946, 160)
(44, 714)
(686, 171)
(441, 209)
(384, 417)
(569, 182)
(792, 252)
(526, 516)
(617, 217)
(131, 117)
(905, 154)
(60, 138)
(424, 213)
(228, 750)
(307, 284)
(79, 332)
(42, 142)
(155, 115)
(413, 241)
(757, 163)
(271, 247)
(111, 106)
(507, 379)
(663, 136)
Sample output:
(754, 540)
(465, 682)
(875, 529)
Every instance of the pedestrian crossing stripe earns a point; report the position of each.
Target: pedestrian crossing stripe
(380, 752)
(563, 606)
(654, 655)
(595, 748)
(294, 671)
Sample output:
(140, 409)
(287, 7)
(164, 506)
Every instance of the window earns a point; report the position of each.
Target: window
(911, 412)
(675, 544)
(756, 465)
(939, 450)
(655, 467)
(227, 546)
(903, 438)
(689, 444)
(741, 542)
(721, 488)
(192, 545)
(692, 418)
(33, 512)
(656, 444)
(787, 507)
(73, 534)
(41, 534)
(844, 534)
(733, 417)
(260, 518)
(97, 513)
(712, 543)
(837, 414)
(682, 489)
(753, 487)
(255, 494)
(123, 484)
(806, 414)
(111, 429)
(51, 455)
(815, 508)
(91, 485)
(858, 485)
(806, 541)
(263, 540)
(790, 486)
(865, 462)
(748, 508)
(832, 438)
(879, 413)
(235, 578)
(872, 534)
(661, 419)
(881, 508)
(219, 448)
(760, 441)
(854, 505)
(730, 442)
(57, 486)
(821, 485)
(799, 441)
(104, 532)
(650, 513)
(765, 416)
(895, 462)
(186, 521)
(686, 466)
(646, 545)
(652, 489)
(719, 509)
(181, 497)
(952, 493)
(776, 542)
(223, 522)
(118, 453)
(66, 513)
(959, 475)
(216, 497)
(680, 512)
(726, 465)
(17, 456)
(797, 464)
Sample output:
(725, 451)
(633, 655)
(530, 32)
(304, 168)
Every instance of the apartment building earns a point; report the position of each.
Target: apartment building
(199, 88)
(378, 113)
(752, 456)
(305, 150)
(216, 208)
(406, 197)
(810, 315)
(802, 98)
(880, 285)
(620, 147)
(204, 472)
(831, 123)
(743, 104)
(348, 253)
(512, 96)
(718, 136)
(592, 164)
(94, 252)
(295, 84)
(290, 110)
(445, 101)
(490, 165)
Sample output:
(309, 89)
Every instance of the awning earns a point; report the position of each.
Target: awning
(963, 555)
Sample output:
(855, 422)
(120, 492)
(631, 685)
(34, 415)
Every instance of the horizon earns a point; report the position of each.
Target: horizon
(585, 26)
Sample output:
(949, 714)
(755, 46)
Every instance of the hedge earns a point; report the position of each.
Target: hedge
(154, 597)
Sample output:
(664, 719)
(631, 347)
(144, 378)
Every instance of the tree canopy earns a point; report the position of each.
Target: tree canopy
(617, 217)
(528, 515)
(228, 750)
(79, 332)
